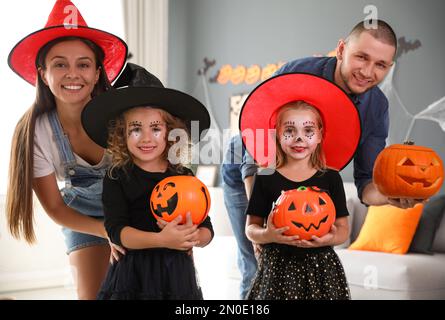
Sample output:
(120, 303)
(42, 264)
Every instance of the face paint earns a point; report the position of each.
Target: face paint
(134, 130)
(300, 134)
(309, 123)
(146, 137)
(309, 129)
(155, 126)
(289, 130)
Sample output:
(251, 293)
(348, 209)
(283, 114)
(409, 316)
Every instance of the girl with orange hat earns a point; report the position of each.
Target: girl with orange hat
(69, 63)
(317, 130)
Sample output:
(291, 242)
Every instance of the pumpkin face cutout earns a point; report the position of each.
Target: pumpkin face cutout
(307, 211)
(408, 171)
(178, 195)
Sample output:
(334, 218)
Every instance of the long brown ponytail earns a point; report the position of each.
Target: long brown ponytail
(19, 197)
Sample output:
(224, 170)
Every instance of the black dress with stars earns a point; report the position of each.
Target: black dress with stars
(157, 273)
(288, 272)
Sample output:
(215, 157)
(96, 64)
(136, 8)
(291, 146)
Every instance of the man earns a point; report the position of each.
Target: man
(234, 172)
(363, 60)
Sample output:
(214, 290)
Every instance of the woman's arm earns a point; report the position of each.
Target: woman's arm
(49, 196)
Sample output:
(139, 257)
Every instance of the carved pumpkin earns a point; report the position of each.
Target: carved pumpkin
(408, 171)
(178, 195)
(307, 211)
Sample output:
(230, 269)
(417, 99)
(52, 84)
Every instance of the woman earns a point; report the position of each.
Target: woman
(68, 64)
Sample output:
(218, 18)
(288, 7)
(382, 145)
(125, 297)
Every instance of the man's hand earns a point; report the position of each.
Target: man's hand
(405, 203)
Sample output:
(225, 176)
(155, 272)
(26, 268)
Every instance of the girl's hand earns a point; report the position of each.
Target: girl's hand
(116, 251)
(162, 223)
(179, 237)
(326, 240)
(273, 234)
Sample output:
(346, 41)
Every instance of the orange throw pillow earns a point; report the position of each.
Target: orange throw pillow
(388, 229)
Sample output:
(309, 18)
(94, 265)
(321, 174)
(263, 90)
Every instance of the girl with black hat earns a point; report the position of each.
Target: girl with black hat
(69, 63)
(141, 118)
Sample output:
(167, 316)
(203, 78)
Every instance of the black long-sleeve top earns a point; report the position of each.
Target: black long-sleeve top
(126, 201)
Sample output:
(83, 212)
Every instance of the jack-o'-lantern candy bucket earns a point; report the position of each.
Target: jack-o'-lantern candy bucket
(408, 171)
(177, 195)
(307, 211)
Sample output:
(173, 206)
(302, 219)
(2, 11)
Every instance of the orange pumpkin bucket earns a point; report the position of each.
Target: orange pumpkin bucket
(307, 211)
(178, 195)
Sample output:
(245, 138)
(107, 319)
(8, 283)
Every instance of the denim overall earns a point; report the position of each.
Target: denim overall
(82, 191)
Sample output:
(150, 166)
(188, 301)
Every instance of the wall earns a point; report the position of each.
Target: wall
(261, 32)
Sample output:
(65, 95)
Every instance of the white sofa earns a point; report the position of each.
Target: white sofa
(377, 275)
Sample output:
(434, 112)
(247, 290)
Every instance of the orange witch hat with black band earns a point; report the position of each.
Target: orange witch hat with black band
(65, 20)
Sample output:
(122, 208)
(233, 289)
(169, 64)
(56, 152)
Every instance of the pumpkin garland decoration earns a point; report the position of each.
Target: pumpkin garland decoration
(408, 171)
(177, 195)
(238, 74)
(253, 74)
(307, 211)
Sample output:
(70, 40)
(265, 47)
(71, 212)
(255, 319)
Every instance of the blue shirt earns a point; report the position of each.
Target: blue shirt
(372, 106)
(237, 164)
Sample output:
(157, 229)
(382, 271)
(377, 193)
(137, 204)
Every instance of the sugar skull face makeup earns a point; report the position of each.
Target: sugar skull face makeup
(291, 131)
(299, 133)
(134, 129)
(146, 133)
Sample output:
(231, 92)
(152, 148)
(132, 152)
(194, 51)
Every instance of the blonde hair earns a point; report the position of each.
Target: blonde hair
(317, 158)
(117, 143)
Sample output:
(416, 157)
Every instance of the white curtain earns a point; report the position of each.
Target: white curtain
(146, 30)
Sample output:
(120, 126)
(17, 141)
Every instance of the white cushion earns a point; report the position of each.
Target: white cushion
(380, 270)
